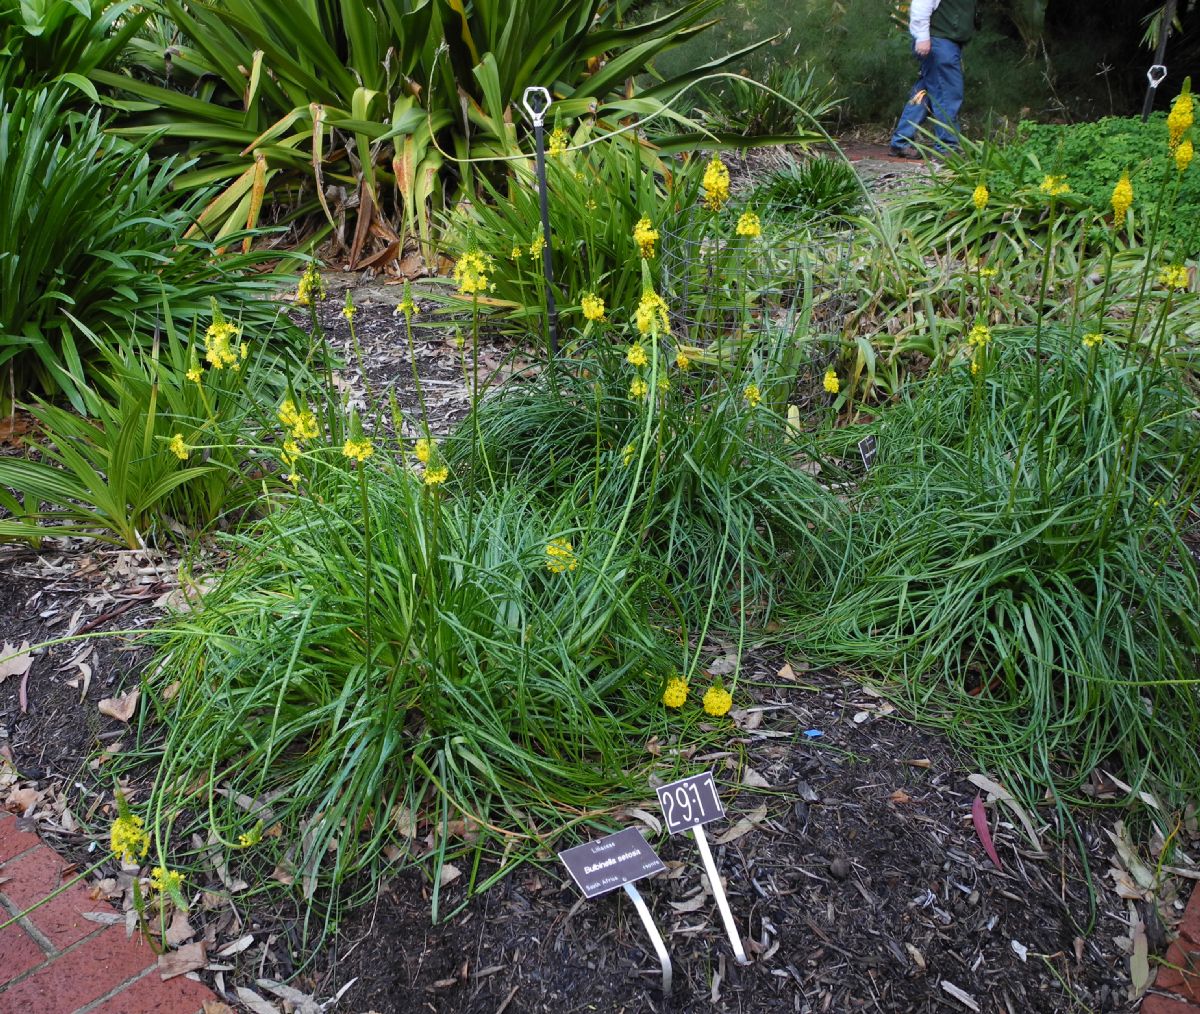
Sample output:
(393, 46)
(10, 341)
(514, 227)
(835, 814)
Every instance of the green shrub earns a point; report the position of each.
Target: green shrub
(819, 186)
(1092, 156)
(64, 40)
(163, 443)
(390, 101)
(1020, 577)
(92, 234)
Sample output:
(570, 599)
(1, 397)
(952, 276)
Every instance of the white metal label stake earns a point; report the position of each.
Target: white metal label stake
(617, 860)
(692, 803)
(655, 937)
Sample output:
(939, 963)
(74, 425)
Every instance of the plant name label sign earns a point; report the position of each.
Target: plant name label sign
(610, 862)
(868, 447)
(690, 802)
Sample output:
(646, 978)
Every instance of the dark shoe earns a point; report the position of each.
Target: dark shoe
(904, 151)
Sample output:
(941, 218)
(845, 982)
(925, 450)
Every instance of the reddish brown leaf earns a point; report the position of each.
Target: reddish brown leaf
(979, 818)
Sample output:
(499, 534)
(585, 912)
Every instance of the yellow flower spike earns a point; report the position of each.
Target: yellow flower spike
(1180, 118)
(348, 308)
(293, 478)
(651, 314)
(638, 388)
(1090, 341)
(636, 356)
(974, 366)
(558, 143)
(717, 700)
(592, 306)
(436, 476)
(980, 197)
(310, 286)
(663, 385)
(716, 184)
(1122, 199)
(645, 236)
(217, 344)
(358, 449)
(627, 453)
(682, 361)
(406, 305)
(676, 692)
(831, 383)
(194, 374)
(471, 272)
(979, 335)
(748, 225)
(752, 395)
(987, 272)
(166, 881)
(1183, 155)
(560, 556)
(1054, 186)
(536, 247)
(1174, 276)
(128, 838)
(423, 449)
(178, 447)
(515, 253)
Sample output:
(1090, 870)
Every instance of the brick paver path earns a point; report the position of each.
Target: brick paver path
(1178, 979)
(56, 961)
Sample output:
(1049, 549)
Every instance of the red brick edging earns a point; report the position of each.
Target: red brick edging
(1179, 975)
(56, 961)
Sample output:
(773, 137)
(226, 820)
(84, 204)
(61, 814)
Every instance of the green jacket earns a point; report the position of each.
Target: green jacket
(954, 20)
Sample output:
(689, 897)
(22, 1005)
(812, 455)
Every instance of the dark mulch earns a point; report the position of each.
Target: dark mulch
(862, 888)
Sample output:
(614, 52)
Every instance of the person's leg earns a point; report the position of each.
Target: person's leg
(915, 108)
(945, 78)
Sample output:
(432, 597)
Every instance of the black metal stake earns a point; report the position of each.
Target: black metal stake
(1158, 71)
(538, 115)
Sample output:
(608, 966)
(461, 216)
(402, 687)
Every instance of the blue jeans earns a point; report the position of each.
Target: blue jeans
(937, 94)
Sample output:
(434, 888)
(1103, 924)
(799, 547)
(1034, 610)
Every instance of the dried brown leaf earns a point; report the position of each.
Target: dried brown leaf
(120, 708)
(189, 958)
(14, 661)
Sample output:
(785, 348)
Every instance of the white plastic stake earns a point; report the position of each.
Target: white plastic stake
(714, 880)
(655, 937)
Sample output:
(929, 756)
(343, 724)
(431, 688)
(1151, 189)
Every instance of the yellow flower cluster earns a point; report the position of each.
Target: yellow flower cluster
(348, 308)
(651, 314)
(831, 383)
(301, 423)
(980, 197)
(1054, 186)
(979, 335)
(423, 449)
(310, 287)
(717, 700)
(645, 236)
(638, 388)
(716, 184)
(682, 360)
(636, 356)
(752, 395)
(749, 225)
(1180, 118)
(558, 142)
(1091, 340)
(437, 475)
(166, 881)
(218, 346)
(1174, 276)
(406, 305)
(1122, 199)
(195, 373)
(1183, 155)
(592, 306)
(178, 447)
(471, 272)
(627, 453)
(560, 556)
(358, 449)
(536, 247)
(128, 838)
(676, 692)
